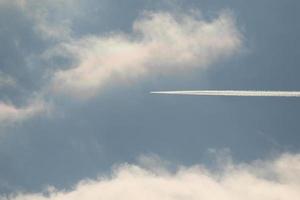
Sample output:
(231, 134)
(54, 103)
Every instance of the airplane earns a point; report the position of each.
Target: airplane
(239, 93)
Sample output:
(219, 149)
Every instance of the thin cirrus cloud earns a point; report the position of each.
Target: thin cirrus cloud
(160, 42)
(261, 180)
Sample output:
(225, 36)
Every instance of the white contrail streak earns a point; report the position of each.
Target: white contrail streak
(246, 93)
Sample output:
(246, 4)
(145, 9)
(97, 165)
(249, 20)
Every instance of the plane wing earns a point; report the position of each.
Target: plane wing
(249, 93)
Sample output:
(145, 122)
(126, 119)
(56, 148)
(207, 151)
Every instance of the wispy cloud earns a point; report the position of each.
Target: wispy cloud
(10, 113)
(52, 18)
(265, 180)
(160, 42)
(6, 80)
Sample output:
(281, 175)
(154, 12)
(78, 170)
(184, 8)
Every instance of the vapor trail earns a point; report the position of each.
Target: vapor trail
(250, 93)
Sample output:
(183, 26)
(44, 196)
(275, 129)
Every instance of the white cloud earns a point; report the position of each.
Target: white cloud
(9, 113)
(160, 42)
(268, 180)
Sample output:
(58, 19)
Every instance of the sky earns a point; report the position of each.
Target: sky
(77, 120)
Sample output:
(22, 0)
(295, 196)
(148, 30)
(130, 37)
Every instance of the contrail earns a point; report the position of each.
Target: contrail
(245, 93)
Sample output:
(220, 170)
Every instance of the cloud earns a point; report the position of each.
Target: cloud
(51, 21)
(265, 180)
(6, 80)
(9, 113)
(52, 18)
(160, 43)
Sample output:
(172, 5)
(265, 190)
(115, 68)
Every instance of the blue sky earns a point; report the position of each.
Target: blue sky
(75, 107)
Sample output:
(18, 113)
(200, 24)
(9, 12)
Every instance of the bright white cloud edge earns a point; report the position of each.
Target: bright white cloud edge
(160, 43)
(260, 180)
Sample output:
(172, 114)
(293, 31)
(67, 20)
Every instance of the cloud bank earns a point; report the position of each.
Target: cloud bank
(160, 43)
(261, 180)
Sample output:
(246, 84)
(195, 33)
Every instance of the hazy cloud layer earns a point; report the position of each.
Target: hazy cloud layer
(160, 42)
(265, 180)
